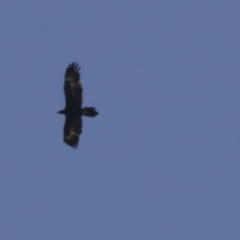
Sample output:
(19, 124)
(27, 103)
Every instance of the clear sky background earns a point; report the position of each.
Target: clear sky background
(161, 161)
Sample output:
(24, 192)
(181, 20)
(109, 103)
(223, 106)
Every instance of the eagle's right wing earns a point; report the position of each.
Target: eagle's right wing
(72, 130)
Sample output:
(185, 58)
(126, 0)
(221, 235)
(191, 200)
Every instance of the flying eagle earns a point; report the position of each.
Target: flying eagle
(73, 110)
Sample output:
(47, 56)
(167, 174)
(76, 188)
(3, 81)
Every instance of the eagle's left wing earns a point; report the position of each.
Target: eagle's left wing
(73, 86)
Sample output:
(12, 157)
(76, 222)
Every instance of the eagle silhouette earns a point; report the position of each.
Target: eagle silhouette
(73, 109)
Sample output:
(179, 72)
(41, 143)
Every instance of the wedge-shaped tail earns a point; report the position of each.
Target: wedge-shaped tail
(89, 112)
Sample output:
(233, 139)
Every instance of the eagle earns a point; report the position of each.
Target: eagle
(73, 109)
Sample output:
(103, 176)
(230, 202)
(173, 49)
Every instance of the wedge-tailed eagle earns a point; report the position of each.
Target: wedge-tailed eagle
(73, 109)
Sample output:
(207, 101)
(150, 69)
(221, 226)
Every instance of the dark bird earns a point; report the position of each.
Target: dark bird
(73, 110)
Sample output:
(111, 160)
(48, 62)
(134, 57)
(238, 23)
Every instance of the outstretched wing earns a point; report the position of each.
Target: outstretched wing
(72, 130)
(73, 86)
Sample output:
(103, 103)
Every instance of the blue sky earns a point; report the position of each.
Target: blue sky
(161, 161)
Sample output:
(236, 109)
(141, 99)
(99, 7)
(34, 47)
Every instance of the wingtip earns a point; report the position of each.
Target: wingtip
(74, 66)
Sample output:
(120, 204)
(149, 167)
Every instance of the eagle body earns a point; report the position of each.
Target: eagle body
(73, 110)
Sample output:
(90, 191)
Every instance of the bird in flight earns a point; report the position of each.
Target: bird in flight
(73, 109)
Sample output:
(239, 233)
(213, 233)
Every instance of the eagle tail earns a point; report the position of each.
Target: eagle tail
(89, 112)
